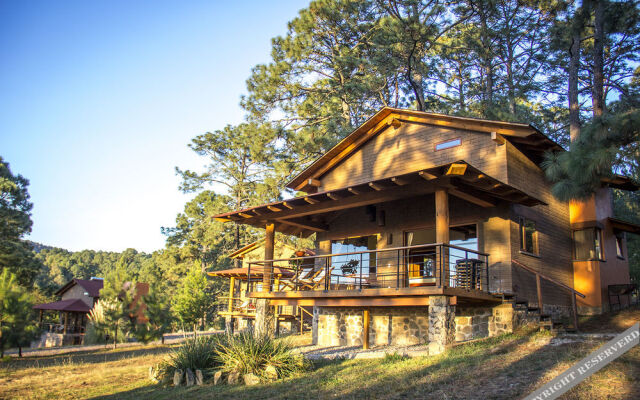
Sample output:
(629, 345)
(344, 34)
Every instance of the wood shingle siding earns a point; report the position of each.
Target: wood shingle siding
(411, 148)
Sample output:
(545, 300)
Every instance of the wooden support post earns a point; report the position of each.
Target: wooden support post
(301, 320)
(365, 329)
(40, 320)
(268, 255)
(539, 289)
(442, 235)
(575, 311)
(232, 287)
(66, 321)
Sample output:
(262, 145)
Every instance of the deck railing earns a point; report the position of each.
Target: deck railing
(439, 265)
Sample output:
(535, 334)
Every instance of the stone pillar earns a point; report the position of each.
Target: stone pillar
(228, 325)
(442, 325)
(314, 325)
(265, 321)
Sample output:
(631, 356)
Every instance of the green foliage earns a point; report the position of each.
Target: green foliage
(159, 319)
(245, 354)
(392, 358)
(17, 323)
(106, 322)
(15, 223)
(195, 353)
(193, 300)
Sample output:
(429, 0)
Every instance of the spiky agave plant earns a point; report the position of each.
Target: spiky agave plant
(196, 353)
(244, 353)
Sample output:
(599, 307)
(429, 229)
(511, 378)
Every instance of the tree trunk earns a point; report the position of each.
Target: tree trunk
(115, 337)
(162, 339)
(20, 351)
(574, 103)
(597, 92)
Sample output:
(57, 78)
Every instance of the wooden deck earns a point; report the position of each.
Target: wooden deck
(380, 297)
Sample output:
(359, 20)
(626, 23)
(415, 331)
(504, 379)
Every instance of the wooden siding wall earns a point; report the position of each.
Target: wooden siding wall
(419, 212)
(411, 148)
(77, 292)
(554, 233)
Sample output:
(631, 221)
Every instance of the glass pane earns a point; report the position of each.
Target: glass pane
(584, 241)
(448, 144)
(529, 236)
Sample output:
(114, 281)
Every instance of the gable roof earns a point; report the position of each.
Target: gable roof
(91, 286)
(525, 137)
(76, 305)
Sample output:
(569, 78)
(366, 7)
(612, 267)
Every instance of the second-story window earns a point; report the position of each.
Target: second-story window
(528, 236)
(587, 244)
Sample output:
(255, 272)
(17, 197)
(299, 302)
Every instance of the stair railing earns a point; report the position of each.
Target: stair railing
(539, 275)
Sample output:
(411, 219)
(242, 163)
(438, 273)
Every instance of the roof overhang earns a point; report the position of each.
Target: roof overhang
(525, 137)
(621, 182)
(242, 273)
(624, 226)
(71, 305)
(296, 216)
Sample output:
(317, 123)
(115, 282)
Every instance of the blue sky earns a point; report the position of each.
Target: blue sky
(99, 99)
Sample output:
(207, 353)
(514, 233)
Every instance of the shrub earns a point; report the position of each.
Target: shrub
(195, 353)
(245, 354)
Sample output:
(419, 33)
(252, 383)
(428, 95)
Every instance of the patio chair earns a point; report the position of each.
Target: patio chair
(315, 280)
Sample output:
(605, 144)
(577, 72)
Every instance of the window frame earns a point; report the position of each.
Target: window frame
(597, 238)
(535, 251)
(458, 139)
(620, 238)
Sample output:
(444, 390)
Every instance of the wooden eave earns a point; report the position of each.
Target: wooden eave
(624, 226)
(621, 182)
(299, 216)
(525, 137)
(244, 250)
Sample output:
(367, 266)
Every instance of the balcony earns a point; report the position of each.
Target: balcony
(394, 276)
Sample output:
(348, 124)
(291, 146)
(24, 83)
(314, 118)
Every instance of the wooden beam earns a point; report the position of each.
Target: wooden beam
(289, 206)
(305, 225)
(314, 182)
(311, 200)
(274, 208)
(399, 181)
(256, 212)
(471, 199)
(427, 176)
(269, 243)
(333, 196)
(376, 186)
(364, 199)
(365, 329)
(498, 138)
(442, 216)
(244, 215)
(353, 190)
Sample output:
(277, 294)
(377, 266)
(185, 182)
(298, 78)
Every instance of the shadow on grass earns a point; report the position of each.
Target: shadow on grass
(82, 357)
(454, 375)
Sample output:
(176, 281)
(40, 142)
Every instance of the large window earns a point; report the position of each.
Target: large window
(528, 236)
(587, 244)
(355, 244)
(620, 245)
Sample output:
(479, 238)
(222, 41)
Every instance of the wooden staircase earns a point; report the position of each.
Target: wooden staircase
(533, 313)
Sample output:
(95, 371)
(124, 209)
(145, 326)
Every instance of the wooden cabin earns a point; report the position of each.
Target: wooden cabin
(434, 228)
(71, 312)
(240, 309)
(77, 298)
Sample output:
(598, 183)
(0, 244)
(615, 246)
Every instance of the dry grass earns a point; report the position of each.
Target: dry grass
(507, 367)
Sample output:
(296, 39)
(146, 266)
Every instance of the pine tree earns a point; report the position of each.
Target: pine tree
(17, 323)
(193, 300)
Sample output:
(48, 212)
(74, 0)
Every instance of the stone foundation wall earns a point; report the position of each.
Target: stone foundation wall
(342, 326)
(402, 326)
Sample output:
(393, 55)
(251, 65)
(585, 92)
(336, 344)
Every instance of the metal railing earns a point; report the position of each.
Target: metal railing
(440, 265)
(59, 328)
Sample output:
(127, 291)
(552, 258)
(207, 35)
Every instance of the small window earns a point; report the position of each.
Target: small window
(587, 244)
(528, 236)
(620, 245)
(448, 144)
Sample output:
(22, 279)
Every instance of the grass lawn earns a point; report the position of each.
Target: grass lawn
(505, 367)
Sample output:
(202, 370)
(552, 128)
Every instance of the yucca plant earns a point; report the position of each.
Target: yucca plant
(197, 353)
(245, 354)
